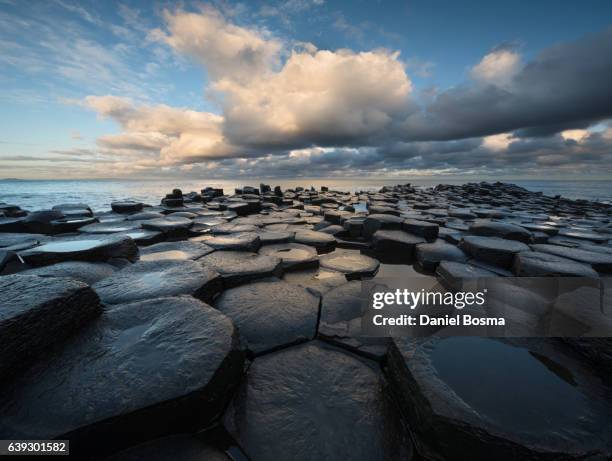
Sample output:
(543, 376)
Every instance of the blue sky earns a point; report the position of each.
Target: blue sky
(108, 89)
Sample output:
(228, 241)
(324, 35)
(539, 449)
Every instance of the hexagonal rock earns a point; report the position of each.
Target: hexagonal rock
(317, 280)
(175, 250)
(272, 237)
(601, 262)
(270, 314)
(174, 227)
(511, 407)
(294, 256)
(493, 250)
(236, 242)
(86, 248)
(453, 275)
(144, 215)
(352, 265)
(376, 209)
(375, 222)
(429, 255)
(314, 402)
(111, 227)
(232, 228)
(181, 447)
(487, 228)
(396, 241)
(140, 371)
(541, 227)
(82, 271)
(425, 229)
(238, 267)
(40, 221)
(337, 217)
(154, 279)
(37, 313)
(340, 321)
(6, 256)
(320, 240)
(144, 237)
(126, 206)
(584, 235)
(536, 264)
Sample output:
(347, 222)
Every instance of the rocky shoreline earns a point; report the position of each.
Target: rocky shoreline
(217, 326)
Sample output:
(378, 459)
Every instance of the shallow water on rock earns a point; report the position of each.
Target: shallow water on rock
(69, 246)
(510, 385)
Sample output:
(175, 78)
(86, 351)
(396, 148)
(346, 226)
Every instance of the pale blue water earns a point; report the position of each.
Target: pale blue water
(41, 194)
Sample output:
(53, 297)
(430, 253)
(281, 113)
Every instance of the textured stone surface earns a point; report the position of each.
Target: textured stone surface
(154, 279)
(126, 206)
(82, 271)
(270, 314)
(141, 370)
(320, 240)
(294, 256)
(396, 242)
(429, 255)
(236, 242)
(422, 228)
(504, 230)
(37, 313)
(175, 250)
(493, 250)
(238, 267)
(313, 402)
(352, 265)
(319, 280)
(536, 264)
(454, 274)
(601, 261)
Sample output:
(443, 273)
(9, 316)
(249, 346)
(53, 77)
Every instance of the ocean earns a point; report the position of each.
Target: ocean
(99, 193)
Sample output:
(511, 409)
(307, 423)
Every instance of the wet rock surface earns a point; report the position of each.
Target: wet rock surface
(536, 264)
(352, 265)
(82, 271)
(238, 267)
(429, 255)
(315, 402)
(493, 250)
(294, 256)
(141, 369)
(175, 250)
(238, 242)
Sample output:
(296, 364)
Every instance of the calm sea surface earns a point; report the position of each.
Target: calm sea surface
(40, 194)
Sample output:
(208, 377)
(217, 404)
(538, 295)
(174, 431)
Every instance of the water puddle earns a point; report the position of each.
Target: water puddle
(69, 246)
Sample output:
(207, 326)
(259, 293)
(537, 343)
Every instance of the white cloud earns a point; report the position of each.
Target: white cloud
(497, 67)
(497, 142)
(575, 135)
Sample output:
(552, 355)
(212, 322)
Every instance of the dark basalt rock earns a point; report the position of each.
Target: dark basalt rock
(144, 237)
(173, 227)
(87, 248)
(238, 267)
(537, 227)
(39, 222)
(397, 242)
(145, 215)
(375, 222)
(235, 242)
(536, 264)
(352, 265)
(340, 322)
(126, 206)
(334, 229)
(232, 228)
(66, 225)
(271, 237)
(314, 402)
(354, 226)
(493, 250)
(429, 255)
(293, 256)
(422, 228)
(320, 240)
(21, 241)
(453, 275)
(182, 447)
(337, 217)
(140, 371)
(601, 262)
(111, 227)
(6, 256)
(74, 209)
(175, 250)
(377, 209)
(450, 235)
(37, 313)
(270, 314)
(154, 279)
(585, 235)
(317, 280)
(510, 407)
(82, 271)
(12, 224)
(504, 230)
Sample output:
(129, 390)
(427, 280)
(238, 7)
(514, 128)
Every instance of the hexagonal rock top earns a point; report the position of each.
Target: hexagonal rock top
(37, 313)
(536, 264)
(83, 271)
(141, 370)
(487, 228)
(313, 402)
(429, 255)
(530, 401)
(601, 262)
(175, 250)
(236, 242)
(154, 279)
(320, 240)
(352, 265)
(396, 241)
(294, 256)
(493, 250)
(271, 314)
(86, 248)
(238, 267)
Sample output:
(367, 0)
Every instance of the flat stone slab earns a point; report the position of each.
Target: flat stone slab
(175, 250)
(493, 250)
(37, 313)
(429, 255)
(87, 248)
(318, 280)
(236, 242)
(374, 222)
(352, 265)
(340, 322)
(585, 235)
(232, 228)
(314, 402)
(238, 267)
(294, 256)
(487, 228)
(601, 262)
(111, 227)
(270, 314)
(272, 237)
(126, 206)
(82, 271)
(320, 240)
(530, 401)
(537, 264)
(454, 274)
(174, 226)
(396, 241)
(155, 279)
(140, 371)
(424, 229)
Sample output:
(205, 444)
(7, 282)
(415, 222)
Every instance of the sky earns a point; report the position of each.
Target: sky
(305, 88)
